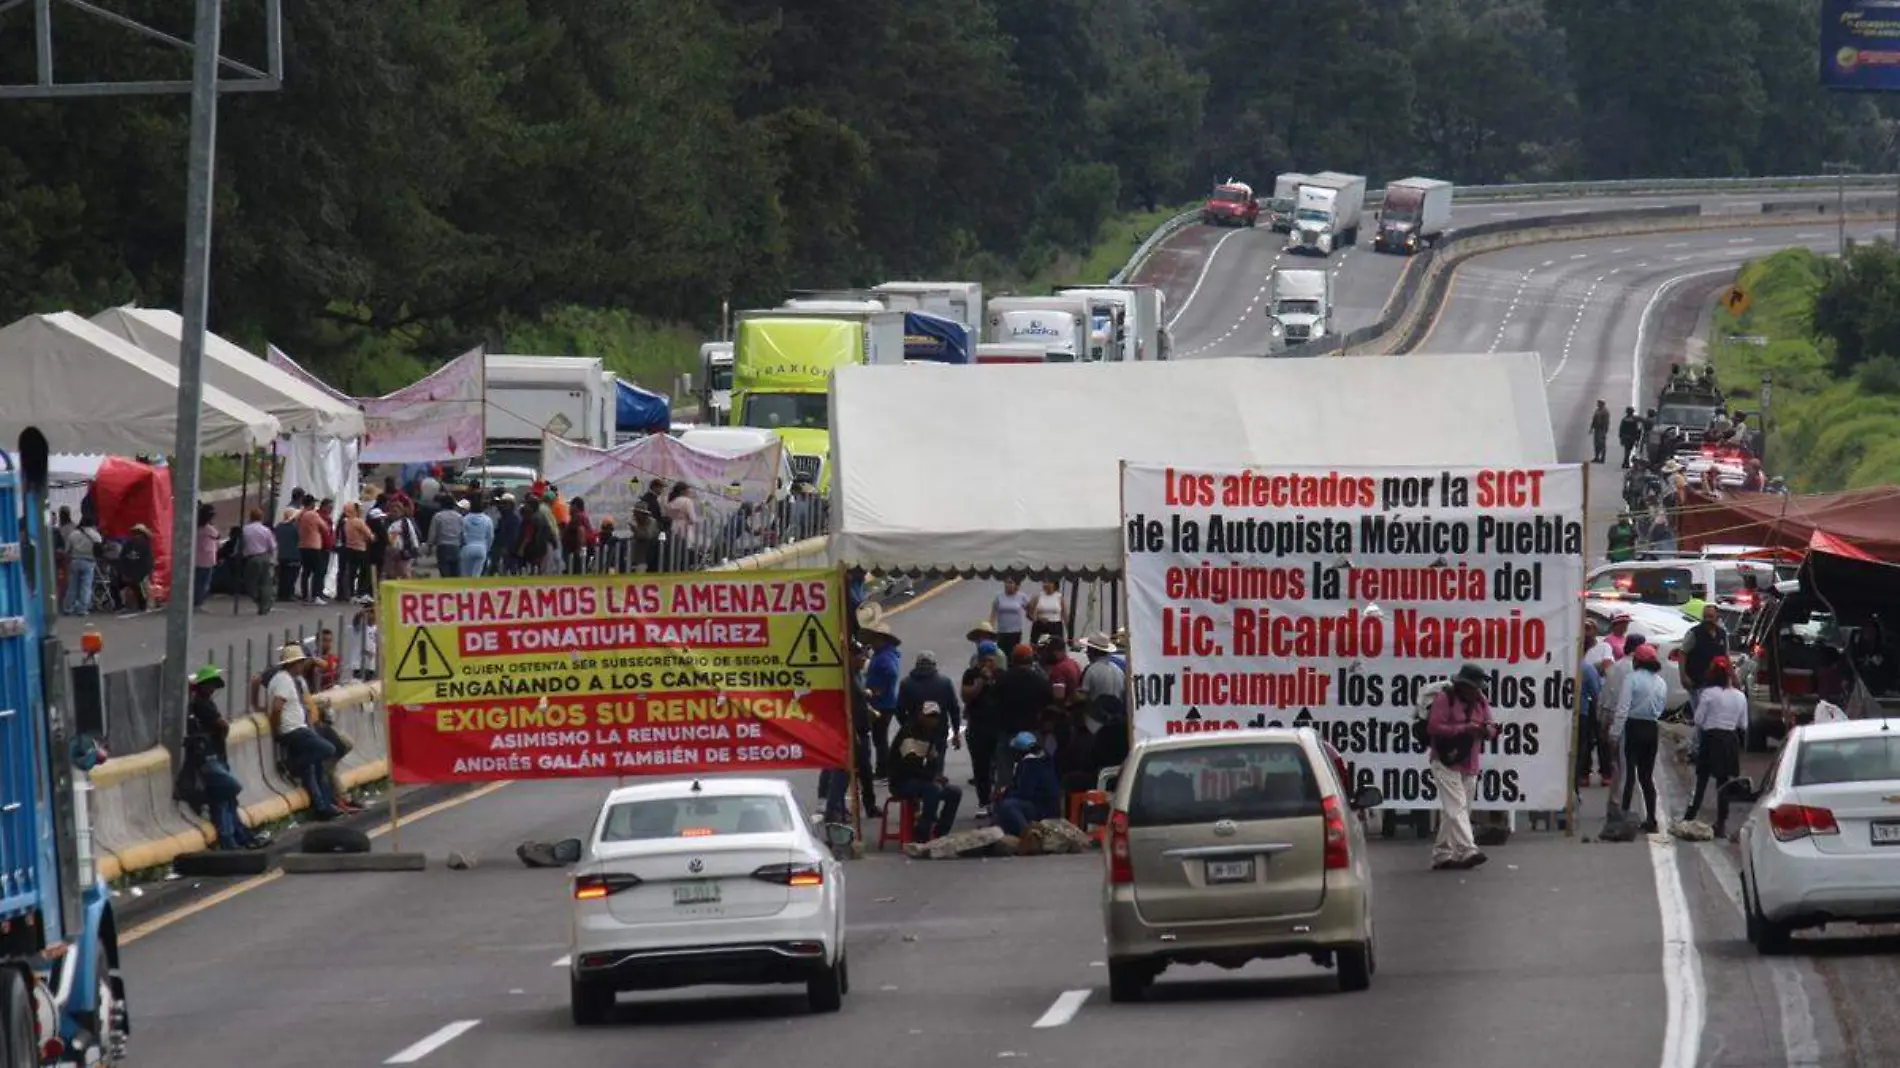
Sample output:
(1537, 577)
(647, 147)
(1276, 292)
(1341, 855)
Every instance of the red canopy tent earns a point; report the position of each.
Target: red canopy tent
(125, 493)
(1861, 523)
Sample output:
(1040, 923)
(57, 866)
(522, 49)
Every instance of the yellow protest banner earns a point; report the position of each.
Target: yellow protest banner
(537, 677)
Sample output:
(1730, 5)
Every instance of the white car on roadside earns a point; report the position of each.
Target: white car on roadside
(1660, 626)
(1822, 844)
(708, 881)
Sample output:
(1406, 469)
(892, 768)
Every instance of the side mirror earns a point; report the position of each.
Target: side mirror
(568, 851)
(1108, 779)
(839, 835)
(1368, 797)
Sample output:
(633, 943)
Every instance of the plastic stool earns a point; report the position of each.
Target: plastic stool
(906, 819)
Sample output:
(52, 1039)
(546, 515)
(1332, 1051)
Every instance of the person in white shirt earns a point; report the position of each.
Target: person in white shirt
(1009, 615)
(305, 751)
(1047, 615)
(1721, 717)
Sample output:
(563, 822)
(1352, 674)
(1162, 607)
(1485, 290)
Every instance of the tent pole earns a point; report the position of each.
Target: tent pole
(191, 351)
(244, 503)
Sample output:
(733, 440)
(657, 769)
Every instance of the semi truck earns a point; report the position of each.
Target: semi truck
(1326, 213)
(1109, 338)
(781, 372)
(1303, 303)
(959, 301)
(62, 1000)
(1414, 215)
(1018, 352)
(569, 397)
(1144, 335)
(1059, 324)
(1231, 204)
(715, 382)
(1280, 205)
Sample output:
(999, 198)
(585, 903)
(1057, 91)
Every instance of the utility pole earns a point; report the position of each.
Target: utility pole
(204, 87)
(1841, 170)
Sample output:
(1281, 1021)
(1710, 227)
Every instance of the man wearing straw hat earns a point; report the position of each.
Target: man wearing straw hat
(305, 752)
(881, 679)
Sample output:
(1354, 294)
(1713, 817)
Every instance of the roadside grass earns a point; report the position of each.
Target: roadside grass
(1826, 432)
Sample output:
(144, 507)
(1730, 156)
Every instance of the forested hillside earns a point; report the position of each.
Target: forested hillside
(436, 170)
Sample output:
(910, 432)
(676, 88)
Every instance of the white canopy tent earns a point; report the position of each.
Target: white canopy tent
(91, 391)
(980, 470)
(325, 434)
(299, 406)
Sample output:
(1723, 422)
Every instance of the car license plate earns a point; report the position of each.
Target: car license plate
(1229, 871)
(703, 893)
(1885, 832)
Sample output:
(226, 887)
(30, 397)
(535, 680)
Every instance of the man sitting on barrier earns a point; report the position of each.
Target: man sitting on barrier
(205, 780)
(305, 751)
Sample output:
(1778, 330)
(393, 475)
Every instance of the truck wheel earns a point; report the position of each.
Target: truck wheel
(19, 1038)
(109, 1021)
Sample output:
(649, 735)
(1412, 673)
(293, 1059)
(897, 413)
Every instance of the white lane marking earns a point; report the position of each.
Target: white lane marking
(1797, 1015)
(1549, 263)
(1642, 326)
(1618, 251)
(1571, 338)
(1686, 1008)
(1504, 215)
(564, 962)
(1067, 1004)
(1677, 244)
(1192, 293)
(448, 1034)
(1741, 240)
(1581, 256)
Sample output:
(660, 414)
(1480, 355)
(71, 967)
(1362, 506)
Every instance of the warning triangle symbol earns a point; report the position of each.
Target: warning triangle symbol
(812, 647)
(423, 661)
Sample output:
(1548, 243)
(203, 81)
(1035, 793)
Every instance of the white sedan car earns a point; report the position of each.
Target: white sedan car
(710, 881)
(1823, 842)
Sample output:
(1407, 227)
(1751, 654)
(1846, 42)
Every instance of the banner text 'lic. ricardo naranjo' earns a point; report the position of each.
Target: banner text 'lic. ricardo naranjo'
(525, 678)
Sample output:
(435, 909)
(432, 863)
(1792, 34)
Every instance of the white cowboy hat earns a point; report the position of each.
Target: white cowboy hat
(291, 654)
(1098, 642)
(881, 629)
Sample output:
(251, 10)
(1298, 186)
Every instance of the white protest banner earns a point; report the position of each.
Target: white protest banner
(611, 480)
(1329, 597)
(436, 418)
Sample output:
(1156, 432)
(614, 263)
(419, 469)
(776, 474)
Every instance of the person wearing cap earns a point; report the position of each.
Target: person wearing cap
(881, 678)
(1034, 791)
(478, 540)
(1639, 708)
(983, 719)
(926, 683)
(834, 783)
(365, 638)
(304, 750)
(1023, 694)
(1458, 725)
(916, 773)
(1618, 637)
(205, 778)
(1721, 719)
(1102, 678)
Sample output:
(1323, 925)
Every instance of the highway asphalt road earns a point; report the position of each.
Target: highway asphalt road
(953, 962)
(1215, 278)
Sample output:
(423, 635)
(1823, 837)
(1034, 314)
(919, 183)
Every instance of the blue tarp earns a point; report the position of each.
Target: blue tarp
(935, 338)
(639, 411)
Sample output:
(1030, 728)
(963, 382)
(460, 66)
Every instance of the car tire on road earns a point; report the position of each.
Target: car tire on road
(19, 1042)
(590, 1003)
(844, 974)
(825, 989)
(1128, 980)
(1770, 939)
(1355, 966)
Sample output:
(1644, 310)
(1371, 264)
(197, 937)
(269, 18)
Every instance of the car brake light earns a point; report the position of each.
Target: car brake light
(594, 887)
(696, 832)
(1790, 822)
(791, 874)
(1121, 868)
(1338, 845)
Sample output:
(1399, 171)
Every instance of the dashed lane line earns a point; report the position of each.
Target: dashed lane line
(1067, 1004)
(442, 1037)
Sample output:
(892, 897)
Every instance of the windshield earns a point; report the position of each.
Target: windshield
(1399, 216)
(513, 456)
(696, 817)
(1685, 415)
(783, 411)
(1650, 585)
(1201, 784)
(1297, 307)
(1228, 196)
(721, 377)
(1281, 204)
(1313, 215)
